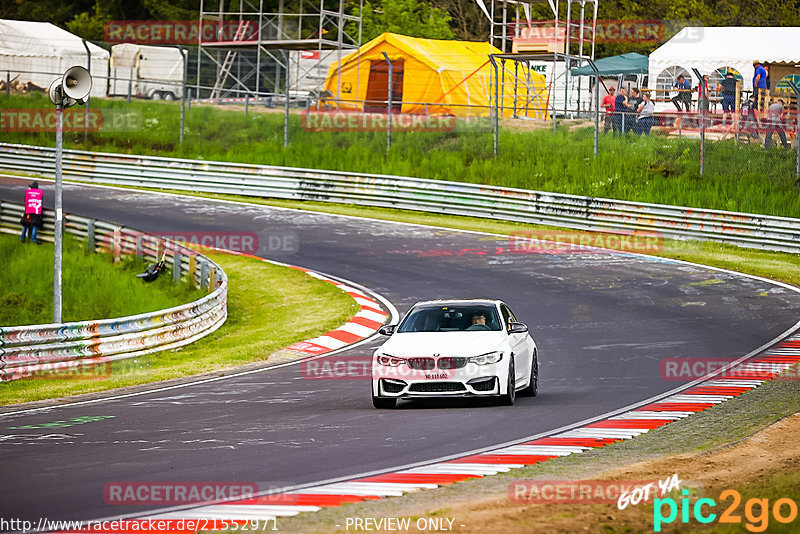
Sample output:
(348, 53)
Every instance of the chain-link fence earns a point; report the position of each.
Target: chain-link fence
(464, 116)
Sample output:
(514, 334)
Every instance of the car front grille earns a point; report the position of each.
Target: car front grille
(436, 387)
(422, 364)
(451, 362)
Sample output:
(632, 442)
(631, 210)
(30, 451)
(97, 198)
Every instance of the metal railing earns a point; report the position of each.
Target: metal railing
(51, 350)
(438, 196)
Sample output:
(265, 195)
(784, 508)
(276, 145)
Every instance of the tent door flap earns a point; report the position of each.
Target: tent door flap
(378, 87)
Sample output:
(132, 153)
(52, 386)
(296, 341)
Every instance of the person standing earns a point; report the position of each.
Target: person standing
(646, 118)
(621, 122)
(728, 88)
(633, 106)
(608, 104)
(32, 218)
(684, 93)
(775, 124)
(635, 99)
(749, 119)
(702, 94)
(759, 80)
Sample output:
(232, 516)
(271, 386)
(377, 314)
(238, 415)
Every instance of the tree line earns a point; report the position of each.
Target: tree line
(436, 19)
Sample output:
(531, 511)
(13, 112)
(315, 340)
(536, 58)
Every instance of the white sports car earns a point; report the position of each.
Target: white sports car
(455, 348)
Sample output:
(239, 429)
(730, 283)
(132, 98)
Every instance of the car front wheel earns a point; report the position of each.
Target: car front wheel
(533, 382)
(508, 398)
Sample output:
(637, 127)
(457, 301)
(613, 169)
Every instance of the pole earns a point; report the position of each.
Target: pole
(552, 89)
(567, 62)
(796, 90)
(57, 233)
(596, 105)
(389, 102)
(183, 93)
(702, 122)
(496, 121)
(580, 55)
(286, 117)
(88, 68)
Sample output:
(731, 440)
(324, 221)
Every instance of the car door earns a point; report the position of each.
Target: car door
(519, 345)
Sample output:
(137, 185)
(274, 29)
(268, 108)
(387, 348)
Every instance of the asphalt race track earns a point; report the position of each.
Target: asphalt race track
(603, 321)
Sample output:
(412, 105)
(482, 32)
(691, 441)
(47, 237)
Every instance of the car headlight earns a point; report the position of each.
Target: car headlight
(488, 358)
(391, 361)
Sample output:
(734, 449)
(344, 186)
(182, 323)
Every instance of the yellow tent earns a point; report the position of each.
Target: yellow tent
(434, 77)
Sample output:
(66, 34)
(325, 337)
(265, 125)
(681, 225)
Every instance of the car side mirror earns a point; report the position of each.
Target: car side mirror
(387, 329)
(517, 328)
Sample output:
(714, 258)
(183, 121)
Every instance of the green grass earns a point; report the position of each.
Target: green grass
(656, 169)
(269, 308)
(92, 286)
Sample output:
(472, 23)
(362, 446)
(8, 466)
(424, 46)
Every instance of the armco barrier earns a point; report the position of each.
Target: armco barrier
(454, 198)
(58, 349)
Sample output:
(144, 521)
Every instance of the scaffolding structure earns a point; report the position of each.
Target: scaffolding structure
(249, 46)
(556, 45)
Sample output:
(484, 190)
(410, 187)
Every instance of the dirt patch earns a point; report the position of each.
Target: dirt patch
(752, 461)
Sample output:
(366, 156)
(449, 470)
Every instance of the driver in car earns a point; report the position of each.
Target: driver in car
(478, 322)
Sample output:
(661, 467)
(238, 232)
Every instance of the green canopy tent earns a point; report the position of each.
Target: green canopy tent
(624, 64)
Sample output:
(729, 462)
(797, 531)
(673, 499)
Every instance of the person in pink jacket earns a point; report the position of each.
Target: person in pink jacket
(32, 219)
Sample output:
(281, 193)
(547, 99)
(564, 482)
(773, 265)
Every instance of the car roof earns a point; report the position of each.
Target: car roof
(457, 302)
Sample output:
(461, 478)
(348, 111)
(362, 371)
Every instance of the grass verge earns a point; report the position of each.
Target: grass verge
(92, 286)
(656, 169)
(269, 308)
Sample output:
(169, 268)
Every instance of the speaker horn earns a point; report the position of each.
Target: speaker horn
(77, 83)
(55, 91)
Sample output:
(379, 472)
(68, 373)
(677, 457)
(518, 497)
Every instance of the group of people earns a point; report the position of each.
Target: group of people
(772, 123)
(634, 113)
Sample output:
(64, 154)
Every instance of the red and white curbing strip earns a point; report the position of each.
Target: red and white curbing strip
(363, 324)
(632, 423)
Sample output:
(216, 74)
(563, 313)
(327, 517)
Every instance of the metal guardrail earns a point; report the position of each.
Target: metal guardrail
(57, 349)
(439, 196)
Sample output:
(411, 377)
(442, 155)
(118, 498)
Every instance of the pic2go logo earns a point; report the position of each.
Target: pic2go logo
(756, 511)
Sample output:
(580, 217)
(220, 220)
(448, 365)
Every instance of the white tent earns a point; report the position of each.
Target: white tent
(39, 52)
(713, 49)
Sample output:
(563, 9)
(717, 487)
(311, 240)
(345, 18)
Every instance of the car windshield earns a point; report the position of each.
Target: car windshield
(466, 318)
